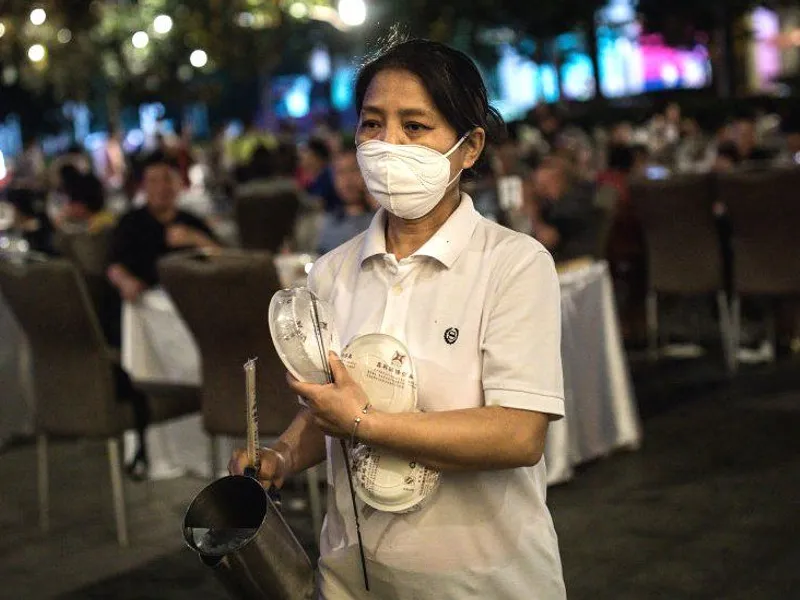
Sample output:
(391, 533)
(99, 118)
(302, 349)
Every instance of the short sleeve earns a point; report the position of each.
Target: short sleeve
(319, 279)
(123, 246)
(197, 223)
(521, 345)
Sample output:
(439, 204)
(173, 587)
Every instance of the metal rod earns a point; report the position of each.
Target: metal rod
(355, 511)
(345, 454)
(252, 416)
(320, 343)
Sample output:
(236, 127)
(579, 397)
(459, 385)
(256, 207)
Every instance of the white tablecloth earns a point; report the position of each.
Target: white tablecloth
(16, 381)
(157, 346)
(600, 404)
(601, 409)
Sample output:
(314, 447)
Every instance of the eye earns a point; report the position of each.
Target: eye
(416, 127)
(369, 124)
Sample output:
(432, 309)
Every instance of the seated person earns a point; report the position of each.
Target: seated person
(144, 235)
(85, 207)
(141, 238)
(355, 213)
(315, 163)
(565, 218)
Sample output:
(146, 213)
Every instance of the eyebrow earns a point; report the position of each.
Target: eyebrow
(403, 112)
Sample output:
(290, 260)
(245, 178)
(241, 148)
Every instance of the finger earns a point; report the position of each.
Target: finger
(309, 391)
(237, 463)
(339, 371)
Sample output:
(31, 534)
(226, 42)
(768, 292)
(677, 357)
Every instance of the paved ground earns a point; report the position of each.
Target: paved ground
(708, 508)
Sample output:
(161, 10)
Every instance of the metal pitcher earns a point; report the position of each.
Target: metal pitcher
(237, 530)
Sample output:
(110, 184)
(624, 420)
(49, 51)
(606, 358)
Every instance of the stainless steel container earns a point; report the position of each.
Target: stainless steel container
(238, 532)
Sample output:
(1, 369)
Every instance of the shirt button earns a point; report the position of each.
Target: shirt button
(397, 289)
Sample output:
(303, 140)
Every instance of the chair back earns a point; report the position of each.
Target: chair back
(72, 368)
(266, 220)
(765, 224)
(89, 251)
(684, 253)
(606, 201)
(224, 299)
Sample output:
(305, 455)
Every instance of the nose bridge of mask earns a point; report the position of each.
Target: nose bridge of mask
(425, 165)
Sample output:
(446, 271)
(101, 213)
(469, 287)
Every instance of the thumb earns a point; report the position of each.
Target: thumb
(339, 371)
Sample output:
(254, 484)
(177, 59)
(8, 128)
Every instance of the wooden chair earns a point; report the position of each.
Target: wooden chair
(266, 220)
(684, 255)
(765, 221)
(224, 299)
(75, 394)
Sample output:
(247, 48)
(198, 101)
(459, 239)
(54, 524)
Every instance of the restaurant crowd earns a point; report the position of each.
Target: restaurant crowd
(563, 182)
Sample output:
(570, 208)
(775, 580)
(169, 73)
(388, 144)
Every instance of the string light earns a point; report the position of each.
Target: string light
(38, 16)
(140, 40)
(162, 24)
(198, 59)
(36, 53)
(298, 10)
(64, 36)
(352, 12)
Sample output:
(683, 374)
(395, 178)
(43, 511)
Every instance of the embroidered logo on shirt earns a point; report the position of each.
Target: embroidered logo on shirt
(451, 335)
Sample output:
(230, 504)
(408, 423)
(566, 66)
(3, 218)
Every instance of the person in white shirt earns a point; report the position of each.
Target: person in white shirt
(477, 305)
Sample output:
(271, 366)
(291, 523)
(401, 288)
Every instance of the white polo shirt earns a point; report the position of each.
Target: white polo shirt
(478, 307)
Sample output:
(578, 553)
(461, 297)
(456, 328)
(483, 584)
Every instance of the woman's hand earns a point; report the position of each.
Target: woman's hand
(334, 406)
(273, 467)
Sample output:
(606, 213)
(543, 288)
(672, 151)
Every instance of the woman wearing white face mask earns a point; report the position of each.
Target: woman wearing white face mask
(477, 306)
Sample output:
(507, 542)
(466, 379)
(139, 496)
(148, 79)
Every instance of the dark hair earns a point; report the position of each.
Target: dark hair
(620, 158)
(730, 151)
(69, 175)
(87, 190)
(261, 164)
(319, 148)
(28, 202)
(159, 158)
(450, 77)
(284, 159)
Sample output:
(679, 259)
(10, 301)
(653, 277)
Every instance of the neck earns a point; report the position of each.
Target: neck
(403, 238)
(163, 215)
(353, 210)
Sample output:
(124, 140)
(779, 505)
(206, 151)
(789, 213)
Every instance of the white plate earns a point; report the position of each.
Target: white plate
(302, 346)
(384, 369)
(390, 483)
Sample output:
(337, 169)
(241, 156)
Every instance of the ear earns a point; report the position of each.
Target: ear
(473, 147)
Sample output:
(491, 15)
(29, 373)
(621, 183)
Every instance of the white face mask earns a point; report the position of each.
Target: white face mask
(407, 180)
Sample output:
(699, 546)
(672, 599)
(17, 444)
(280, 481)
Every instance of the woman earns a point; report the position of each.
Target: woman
(478, 307)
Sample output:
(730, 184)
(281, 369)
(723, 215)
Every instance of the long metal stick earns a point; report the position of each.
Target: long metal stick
(345, 454)
(346, 457)
(252, 418)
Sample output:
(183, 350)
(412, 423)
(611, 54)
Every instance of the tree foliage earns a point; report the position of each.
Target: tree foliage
(243, 39)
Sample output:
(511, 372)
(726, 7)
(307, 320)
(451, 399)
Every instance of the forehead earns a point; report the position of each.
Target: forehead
(158, 170)
(398, 90)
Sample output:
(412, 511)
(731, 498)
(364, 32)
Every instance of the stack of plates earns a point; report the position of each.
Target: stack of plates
(387, 482)
(303, 332)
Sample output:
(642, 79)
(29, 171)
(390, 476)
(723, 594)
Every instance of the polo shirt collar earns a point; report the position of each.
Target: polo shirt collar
(446, 244)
